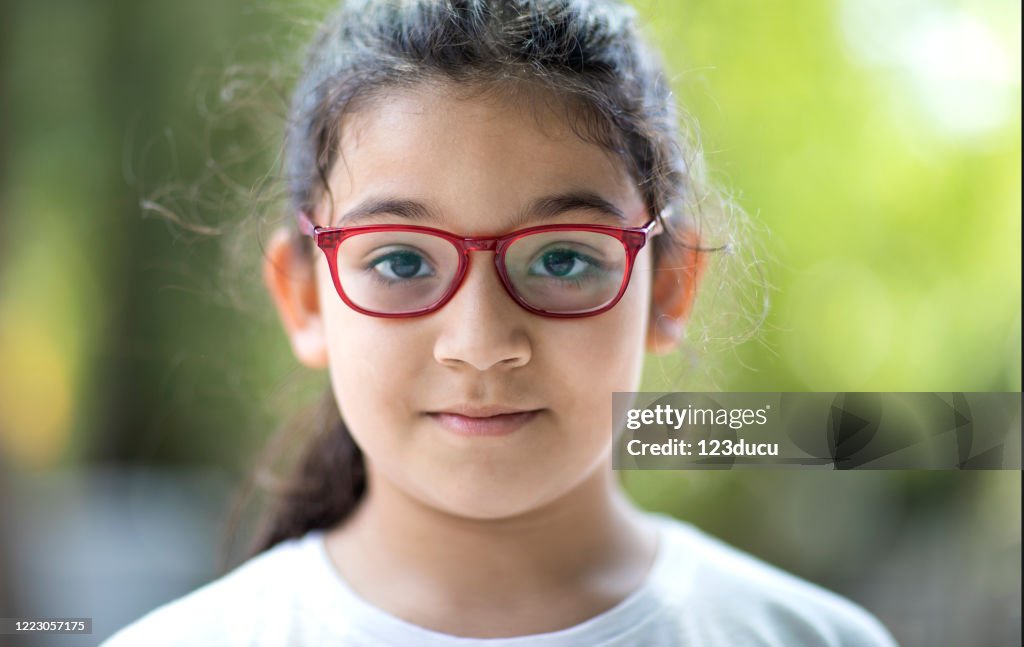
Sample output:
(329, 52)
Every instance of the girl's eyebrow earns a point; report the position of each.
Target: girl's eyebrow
(541, 208)
(557, 204)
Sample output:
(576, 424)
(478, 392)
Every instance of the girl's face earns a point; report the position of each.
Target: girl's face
(475, 164)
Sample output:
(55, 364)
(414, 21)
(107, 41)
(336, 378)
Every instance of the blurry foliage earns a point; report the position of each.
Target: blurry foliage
(893, 241)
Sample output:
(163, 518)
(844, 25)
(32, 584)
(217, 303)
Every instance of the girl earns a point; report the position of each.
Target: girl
(493, 221)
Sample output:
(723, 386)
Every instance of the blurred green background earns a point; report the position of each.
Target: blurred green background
(876, 147)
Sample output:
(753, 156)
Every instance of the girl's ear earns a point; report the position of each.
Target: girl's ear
(674, 287)
(291, 280)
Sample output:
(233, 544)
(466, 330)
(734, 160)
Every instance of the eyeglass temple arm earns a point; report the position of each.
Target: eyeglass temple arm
(654, 226)
(306, 225)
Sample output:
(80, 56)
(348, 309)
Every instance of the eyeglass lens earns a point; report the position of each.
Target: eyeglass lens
(563, 272)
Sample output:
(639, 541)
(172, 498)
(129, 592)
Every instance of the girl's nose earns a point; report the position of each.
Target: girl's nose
(482, 326)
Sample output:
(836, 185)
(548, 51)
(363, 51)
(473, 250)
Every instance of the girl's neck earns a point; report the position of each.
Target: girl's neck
(544, 570)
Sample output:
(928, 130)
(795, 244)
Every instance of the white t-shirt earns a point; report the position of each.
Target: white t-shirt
(699, 592)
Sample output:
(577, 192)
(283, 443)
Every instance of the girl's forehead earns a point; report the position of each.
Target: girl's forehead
(472, 155)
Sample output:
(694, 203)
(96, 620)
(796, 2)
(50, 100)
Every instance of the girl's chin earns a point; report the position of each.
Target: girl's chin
(482, 501)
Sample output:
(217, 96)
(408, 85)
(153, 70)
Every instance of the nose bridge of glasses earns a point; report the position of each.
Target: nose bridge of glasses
(479, 244)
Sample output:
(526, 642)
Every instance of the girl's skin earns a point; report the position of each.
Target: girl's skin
(481, 536)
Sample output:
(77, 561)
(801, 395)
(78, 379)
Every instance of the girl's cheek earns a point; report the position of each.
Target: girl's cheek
(365, 355)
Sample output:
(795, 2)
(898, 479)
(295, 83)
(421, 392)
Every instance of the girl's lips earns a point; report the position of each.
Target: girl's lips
(498, 425)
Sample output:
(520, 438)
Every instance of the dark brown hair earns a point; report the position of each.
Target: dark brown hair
(588, 56)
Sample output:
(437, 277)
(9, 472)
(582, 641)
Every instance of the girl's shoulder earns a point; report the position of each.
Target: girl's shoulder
(729, 596)
(256, 598)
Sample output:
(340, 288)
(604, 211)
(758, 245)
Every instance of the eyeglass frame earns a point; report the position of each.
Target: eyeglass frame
(328, 239)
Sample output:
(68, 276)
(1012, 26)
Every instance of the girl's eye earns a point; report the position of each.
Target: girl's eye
(401, 265)
(563, 264)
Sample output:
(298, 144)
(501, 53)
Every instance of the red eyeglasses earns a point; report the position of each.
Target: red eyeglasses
(549, 270)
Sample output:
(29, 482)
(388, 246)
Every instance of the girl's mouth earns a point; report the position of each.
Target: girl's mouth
(494, 425)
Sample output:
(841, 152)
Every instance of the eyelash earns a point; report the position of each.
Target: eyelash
(382, 280)
(595, 266)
